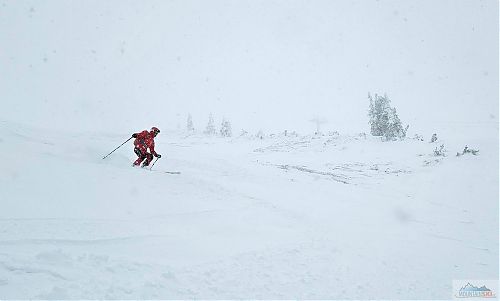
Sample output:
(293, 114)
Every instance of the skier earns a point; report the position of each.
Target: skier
(142, 142)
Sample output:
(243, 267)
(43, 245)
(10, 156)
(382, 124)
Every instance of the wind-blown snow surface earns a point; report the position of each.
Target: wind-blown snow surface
(283, 217)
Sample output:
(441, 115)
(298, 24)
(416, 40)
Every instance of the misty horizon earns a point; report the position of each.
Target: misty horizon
(267, 65)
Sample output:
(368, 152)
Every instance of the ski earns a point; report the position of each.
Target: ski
(161, 171)
(165, 171)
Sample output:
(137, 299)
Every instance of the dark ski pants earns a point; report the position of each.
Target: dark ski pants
(142, 154)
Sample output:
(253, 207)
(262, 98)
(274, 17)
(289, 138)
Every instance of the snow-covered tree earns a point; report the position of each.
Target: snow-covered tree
(210, 129)
(225, 128)
(434, 138)
(189, 126)
(384, 120)
(260, 134)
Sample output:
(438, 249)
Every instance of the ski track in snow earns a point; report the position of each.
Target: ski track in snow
(284, 217)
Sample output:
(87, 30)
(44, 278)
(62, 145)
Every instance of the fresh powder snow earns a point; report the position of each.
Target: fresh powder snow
(275, 181)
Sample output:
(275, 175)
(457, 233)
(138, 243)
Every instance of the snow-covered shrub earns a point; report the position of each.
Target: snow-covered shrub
(225, 128)
(418, 137)
(434, 138)
(189, 125)
(440, 152)
(384, 120)
(260, 134)
(468, 150)
(243, 133)
(210, 129)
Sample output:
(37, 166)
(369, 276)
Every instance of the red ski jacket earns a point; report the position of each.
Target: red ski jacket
(144, 141)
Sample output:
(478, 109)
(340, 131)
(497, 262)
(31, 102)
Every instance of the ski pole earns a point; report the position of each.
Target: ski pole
(154, 163)
(117, 148)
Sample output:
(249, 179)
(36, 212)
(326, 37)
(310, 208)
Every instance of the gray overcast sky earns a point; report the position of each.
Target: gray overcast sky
(127, 65)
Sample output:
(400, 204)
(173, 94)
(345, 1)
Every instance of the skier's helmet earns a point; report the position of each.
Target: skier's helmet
(155, 130)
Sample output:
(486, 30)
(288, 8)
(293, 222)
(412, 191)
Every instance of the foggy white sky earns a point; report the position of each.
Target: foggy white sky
(128, 65)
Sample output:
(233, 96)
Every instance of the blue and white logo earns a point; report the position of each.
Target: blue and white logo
(474, 289)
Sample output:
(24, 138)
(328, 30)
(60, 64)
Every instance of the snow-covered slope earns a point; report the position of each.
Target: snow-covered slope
(282, 217)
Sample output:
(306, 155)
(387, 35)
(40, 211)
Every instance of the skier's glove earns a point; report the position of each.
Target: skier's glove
(158, 156)
(134, 135)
